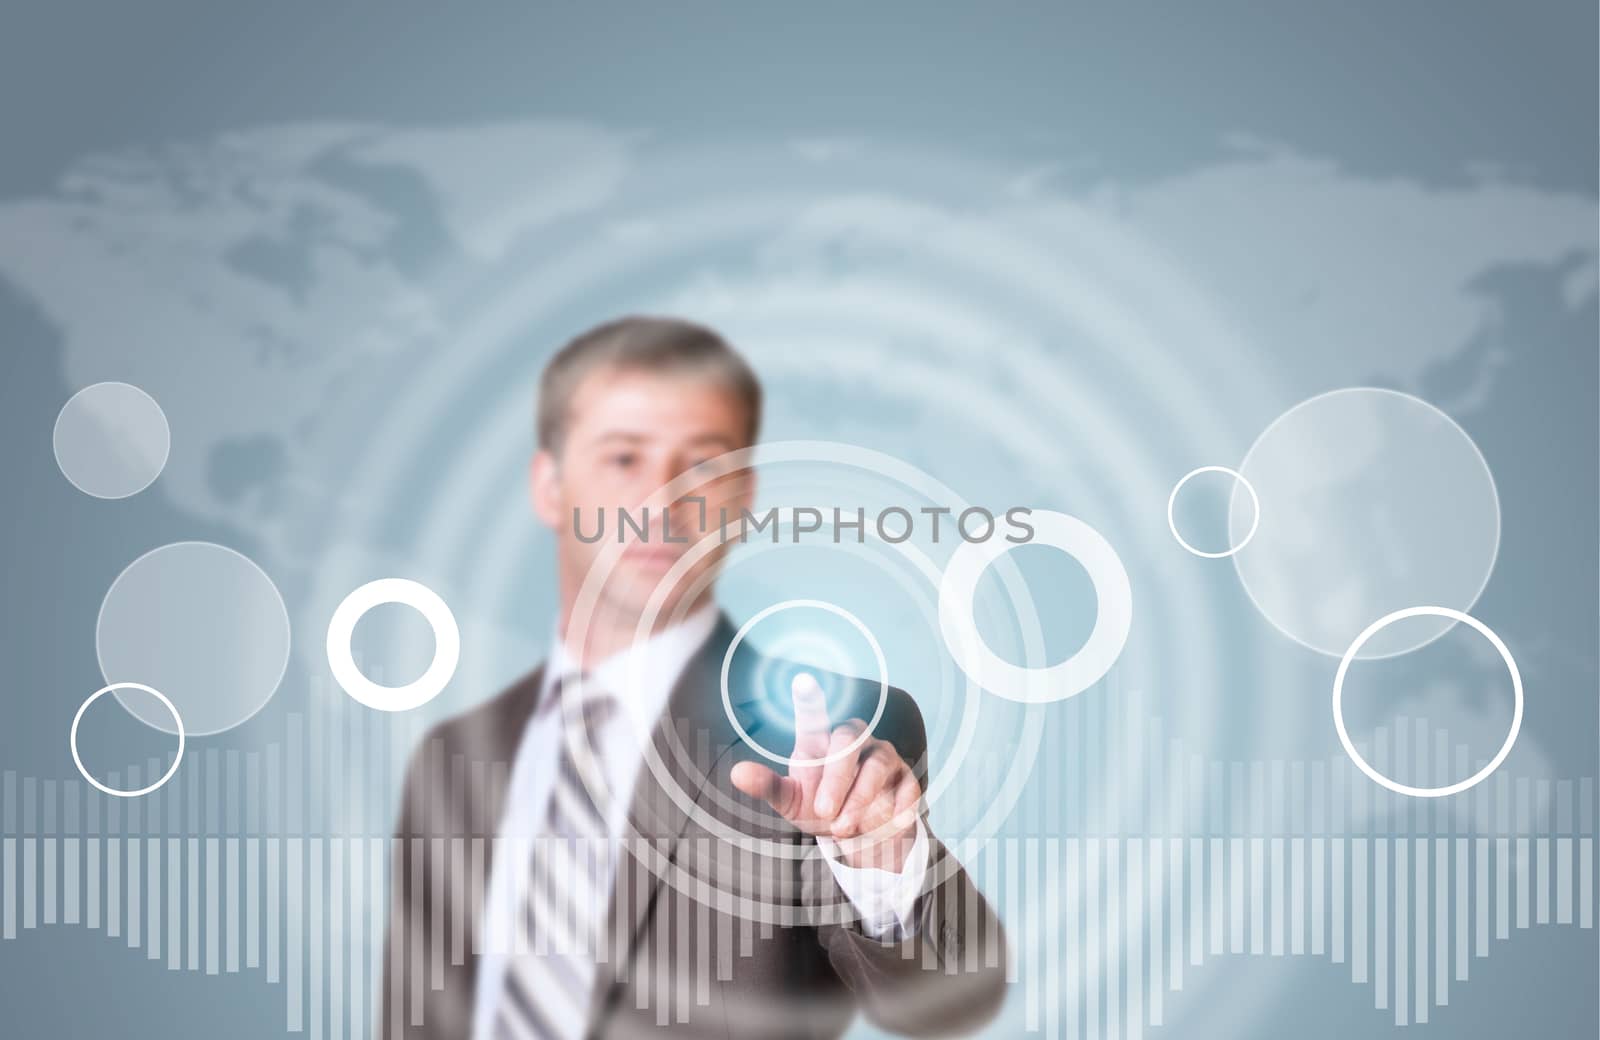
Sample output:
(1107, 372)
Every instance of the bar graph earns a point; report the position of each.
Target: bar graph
(275, 861)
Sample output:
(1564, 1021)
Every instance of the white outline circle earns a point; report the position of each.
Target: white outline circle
(166, 455)
(72, 738)
(1113, 614)
(1338, 695)
(883, 682)
(446, 637)
(1254, 501)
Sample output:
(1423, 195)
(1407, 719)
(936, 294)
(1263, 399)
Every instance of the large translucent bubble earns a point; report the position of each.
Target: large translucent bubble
(202, 624)
(1371, 501)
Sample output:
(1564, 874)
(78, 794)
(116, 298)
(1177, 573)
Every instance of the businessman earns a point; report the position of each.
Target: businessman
(564, 869)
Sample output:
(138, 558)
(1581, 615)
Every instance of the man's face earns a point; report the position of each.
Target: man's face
(629, 433)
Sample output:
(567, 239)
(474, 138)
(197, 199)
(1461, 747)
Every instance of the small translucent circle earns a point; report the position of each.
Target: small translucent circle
(1370, 501)
(1255, 508)
(111, 440)
(203, 624)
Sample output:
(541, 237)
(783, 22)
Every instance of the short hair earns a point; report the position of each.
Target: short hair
(647, 343)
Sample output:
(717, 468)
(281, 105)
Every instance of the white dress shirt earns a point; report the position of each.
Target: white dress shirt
(642, 676)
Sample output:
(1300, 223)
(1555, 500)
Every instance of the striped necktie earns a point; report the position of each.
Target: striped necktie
(566, 897)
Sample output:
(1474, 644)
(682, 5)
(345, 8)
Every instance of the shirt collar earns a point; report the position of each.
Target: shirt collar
(642, 675)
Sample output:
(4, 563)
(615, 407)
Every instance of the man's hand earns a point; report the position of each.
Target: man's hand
(866, 800)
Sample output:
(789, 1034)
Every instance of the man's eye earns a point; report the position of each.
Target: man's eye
(623, 460)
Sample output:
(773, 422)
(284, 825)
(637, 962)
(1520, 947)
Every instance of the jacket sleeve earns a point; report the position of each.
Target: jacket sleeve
(949, 976)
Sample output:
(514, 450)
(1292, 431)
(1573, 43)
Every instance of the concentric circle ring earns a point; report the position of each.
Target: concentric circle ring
(1113, 616)
(877, 653)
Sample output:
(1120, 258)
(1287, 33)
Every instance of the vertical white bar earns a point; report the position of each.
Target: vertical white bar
(1297, 896)
(436, 934)
(1197, 880)
(1481, 903)
(379, 904)
(1441, 921)
(1541, 878)
(1236, 895)
(135, 886)
(594, 855)
(1402, 926)
(1030, 987)
(1218, 903)
(1052, 938)
(1112, 941)
(1276, 851)
(357, 944)
(1461, 916)
(92, 886)
(1155, 913)
(174, 903)
(252, 902)
(1072, 980)
(48, 847)
(1091, 937)
(314, 937)
(71, 857)
(1358, 910)
(1502, 888)
(335, 930)
(113, 885)
(1319, 899)
(478, 868)
(1585, 883)
(1420, 874)
(1012, 889)
(294, 937)
(153, 897)
(1258, 896)
(1523, 869)
(213, 905)
(8, 852)
(192, 889)
(1563, 881)
(272, 909)
(1175, 914)
(1133, 938)
(1336, 912)
(231, 903)
(1380, 921)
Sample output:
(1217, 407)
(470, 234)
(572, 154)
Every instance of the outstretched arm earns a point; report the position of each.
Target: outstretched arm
(943, 970)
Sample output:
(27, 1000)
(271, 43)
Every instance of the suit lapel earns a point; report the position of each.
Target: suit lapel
(685, 749)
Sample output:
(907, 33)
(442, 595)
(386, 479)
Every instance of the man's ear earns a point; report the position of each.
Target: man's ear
(544, 490)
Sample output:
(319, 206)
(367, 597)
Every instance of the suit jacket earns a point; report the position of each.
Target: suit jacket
(724, 920)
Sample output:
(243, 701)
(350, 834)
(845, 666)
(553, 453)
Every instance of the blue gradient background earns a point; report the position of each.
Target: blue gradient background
(1051, 256)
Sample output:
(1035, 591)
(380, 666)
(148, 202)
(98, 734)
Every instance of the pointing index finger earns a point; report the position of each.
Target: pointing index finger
(811, 726)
